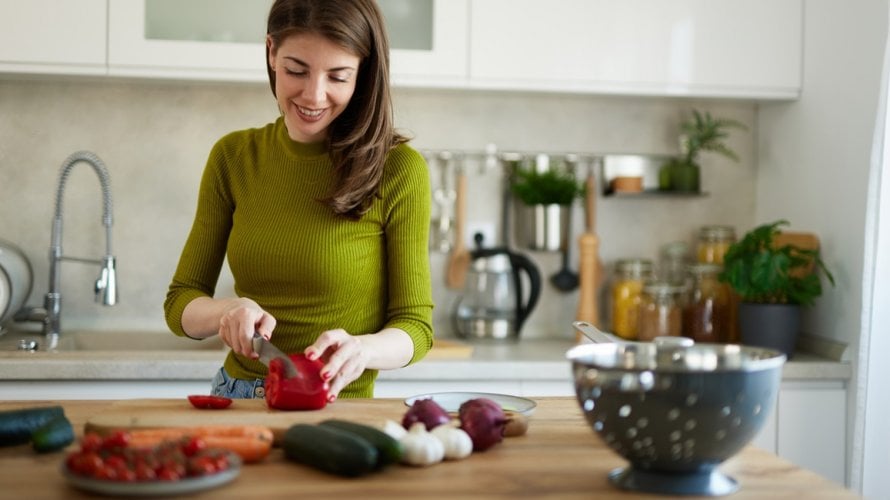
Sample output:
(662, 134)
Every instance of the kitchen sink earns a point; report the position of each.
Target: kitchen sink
(112, 340)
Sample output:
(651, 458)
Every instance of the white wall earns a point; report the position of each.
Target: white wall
(814, 156)
(155, 138)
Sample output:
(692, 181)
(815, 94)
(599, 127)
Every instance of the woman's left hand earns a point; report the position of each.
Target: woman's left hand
(345, 357)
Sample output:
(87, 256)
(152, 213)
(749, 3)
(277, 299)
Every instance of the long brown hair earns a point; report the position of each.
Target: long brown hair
(362, 136)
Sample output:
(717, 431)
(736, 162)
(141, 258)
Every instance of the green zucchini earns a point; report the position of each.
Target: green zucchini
(389, 450)
(329, 449)
(54, 436)
(16, 426)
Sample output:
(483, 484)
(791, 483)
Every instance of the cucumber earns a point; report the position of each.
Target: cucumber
(54, 436)
(16, 426)
(389, 450)
(329, 449)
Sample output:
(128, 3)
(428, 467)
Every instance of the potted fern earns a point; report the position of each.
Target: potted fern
(701, 133)
(773, 282)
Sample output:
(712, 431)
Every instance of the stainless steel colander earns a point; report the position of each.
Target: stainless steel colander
(674, 409)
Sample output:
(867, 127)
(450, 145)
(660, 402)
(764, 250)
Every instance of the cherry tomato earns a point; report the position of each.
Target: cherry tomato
(91, 441)
(116, 440)
(191, 446)
(209, 402)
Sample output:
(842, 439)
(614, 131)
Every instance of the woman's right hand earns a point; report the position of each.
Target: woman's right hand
(238, 323)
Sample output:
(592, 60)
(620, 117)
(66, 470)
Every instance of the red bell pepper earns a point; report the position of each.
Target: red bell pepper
(304, 392)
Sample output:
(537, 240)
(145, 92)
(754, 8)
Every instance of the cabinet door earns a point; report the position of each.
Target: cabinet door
(812, 431)
(192, 39)
(52, 36)
(733, 48)
(428, 40)
(224, 39)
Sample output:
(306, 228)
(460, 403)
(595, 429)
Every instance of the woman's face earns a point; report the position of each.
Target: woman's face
(314, 81)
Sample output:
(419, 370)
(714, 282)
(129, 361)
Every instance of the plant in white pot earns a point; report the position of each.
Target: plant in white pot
(773, 281)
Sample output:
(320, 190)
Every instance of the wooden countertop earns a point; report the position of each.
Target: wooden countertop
(560, 457)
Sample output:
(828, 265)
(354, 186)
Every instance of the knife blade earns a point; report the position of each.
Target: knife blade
(268, 352)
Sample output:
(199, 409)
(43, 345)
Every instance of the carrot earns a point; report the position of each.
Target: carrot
(251, 442)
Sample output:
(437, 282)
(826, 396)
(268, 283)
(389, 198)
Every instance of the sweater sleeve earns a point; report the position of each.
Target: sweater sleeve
(204, 251)
(408, 198)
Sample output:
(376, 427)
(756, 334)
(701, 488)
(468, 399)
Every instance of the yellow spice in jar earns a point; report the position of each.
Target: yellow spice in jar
(625, 307)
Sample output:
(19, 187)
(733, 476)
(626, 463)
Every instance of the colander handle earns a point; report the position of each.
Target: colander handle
(595, 334)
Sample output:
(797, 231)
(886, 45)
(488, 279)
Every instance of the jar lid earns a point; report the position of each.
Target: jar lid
(634, 266)
(703, 269)
(662, 288)
(716, 233)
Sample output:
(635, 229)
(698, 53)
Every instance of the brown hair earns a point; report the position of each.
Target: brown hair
(362, 136)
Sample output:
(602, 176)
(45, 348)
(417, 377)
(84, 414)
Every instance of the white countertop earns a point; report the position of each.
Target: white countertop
(542, 360)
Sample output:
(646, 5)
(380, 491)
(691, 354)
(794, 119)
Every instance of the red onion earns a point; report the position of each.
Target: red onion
(484, 421)
(427, 411)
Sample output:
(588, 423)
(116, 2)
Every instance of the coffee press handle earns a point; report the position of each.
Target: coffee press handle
(523, 310)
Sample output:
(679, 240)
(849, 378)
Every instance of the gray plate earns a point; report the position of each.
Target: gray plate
(451, 401)
(154, 488)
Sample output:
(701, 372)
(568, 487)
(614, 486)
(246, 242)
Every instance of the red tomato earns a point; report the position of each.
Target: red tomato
(91, 442)
(116, 440)
(209, 402)
(192, 446)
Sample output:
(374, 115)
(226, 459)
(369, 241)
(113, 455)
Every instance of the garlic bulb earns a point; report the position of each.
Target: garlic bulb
(420, 447)
(456, 442)
(394, 429)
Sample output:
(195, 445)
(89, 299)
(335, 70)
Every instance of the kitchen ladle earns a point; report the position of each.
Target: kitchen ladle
(565, 279)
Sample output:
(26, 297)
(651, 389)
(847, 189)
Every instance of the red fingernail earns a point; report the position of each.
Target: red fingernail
(325, 375)
(331, 398)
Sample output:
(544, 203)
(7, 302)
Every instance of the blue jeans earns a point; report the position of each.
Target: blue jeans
(225, 385)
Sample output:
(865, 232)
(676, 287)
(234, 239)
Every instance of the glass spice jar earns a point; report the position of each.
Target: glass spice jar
(630, 274)
(661, 311)
(706, 316)
(713, 242)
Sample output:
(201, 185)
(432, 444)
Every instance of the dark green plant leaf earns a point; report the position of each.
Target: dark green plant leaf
(546, 188)
(760, 273)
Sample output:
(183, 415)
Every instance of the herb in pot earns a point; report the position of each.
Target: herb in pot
(552, 187)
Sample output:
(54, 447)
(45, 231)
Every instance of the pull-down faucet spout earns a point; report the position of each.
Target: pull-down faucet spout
(106, 285)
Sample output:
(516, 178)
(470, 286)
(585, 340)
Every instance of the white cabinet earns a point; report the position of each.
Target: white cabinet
(193, 39)
(429, 41)
(733, 48)
(703, 48)
(812, 427)
(808, 427)
(53, 37)
(182, 40)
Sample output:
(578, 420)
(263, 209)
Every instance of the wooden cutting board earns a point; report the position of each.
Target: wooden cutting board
(161, 413)
(806, 241)
(449, 349)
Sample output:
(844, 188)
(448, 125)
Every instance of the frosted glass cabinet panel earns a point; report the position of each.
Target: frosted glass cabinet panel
(188, 39)
(429, 41)
(224, 39)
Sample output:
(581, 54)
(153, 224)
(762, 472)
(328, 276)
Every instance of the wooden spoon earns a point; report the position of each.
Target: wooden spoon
(459, 259)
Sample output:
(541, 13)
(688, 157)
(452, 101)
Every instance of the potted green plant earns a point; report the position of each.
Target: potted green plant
(773, 282)
(543, 214)
(702, 132)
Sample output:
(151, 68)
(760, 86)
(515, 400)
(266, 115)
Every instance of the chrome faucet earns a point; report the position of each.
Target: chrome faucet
(106, 284)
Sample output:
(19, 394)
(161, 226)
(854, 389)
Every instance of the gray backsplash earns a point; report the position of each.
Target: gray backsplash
(155, 137)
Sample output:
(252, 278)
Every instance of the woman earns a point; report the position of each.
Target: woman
(323, 215)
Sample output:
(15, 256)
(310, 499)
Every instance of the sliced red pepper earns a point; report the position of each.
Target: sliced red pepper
(209, 402)
(304, 392)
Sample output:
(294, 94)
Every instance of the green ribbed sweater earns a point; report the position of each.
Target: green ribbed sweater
(310, 269)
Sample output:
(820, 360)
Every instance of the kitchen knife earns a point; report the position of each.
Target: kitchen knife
(268, 352)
